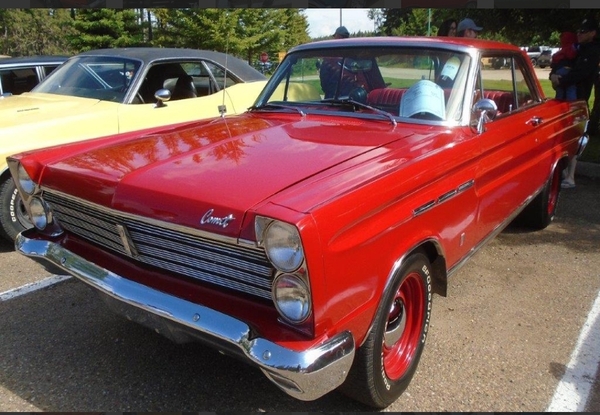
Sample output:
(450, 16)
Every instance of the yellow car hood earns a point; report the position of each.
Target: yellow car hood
(34, 120)
(27, 108)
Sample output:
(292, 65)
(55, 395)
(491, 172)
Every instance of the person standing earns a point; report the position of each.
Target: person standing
(448, 28)
(468, 28)
(329, 68)
(582, 75)
(561, 64)
(594, 124)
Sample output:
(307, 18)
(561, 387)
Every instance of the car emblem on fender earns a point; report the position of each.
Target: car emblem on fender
(209, 219)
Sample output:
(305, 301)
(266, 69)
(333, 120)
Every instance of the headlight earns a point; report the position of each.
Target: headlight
(292, 297)
(39, 213)
(283, 246)
(25, 182)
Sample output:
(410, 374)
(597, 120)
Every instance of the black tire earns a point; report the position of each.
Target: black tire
(534, 62)
(383, 367)
(541, 210)
(13, 216)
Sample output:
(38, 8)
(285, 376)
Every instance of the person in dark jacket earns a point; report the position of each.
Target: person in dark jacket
(582, 75)
(585, 67)
(329, 68)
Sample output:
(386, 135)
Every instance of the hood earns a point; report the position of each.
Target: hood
(215, 169)
(41, 107)
(34, 120)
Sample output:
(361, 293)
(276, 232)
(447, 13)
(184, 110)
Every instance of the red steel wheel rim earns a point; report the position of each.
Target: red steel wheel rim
(405, 320)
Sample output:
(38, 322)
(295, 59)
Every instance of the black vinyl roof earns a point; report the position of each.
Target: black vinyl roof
(237, 67)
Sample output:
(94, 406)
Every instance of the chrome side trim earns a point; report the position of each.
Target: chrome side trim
(305, 375)
(443, 197)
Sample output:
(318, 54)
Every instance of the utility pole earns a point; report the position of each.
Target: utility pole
(428, 22)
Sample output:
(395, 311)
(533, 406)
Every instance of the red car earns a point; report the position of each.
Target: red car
(308, 235)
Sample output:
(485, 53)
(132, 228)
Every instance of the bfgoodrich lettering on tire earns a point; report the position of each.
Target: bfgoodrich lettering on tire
(386, 362)
(13, 216)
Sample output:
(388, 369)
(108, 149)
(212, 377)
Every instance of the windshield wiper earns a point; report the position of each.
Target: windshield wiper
(270, 105)
(348, 101)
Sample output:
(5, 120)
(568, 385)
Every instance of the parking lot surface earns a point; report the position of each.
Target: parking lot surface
(501, 340)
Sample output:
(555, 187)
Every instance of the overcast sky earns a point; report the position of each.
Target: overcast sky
(323, 22)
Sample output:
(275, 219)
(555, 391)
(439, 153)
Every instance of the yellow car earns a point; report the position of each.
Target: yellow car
(108, 91)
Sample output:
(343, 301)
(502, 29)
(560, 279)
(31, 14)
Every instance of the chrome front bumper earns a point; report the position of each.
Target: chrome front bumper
(305, 375)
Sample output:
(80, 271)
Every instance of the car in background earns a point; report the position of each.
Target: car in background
(534, 53)
(545, 59)
(308, 235)
(108, 91)
(21, 74)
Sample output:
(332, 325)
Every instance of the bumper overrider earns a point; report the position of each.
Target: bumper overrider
(305, 375)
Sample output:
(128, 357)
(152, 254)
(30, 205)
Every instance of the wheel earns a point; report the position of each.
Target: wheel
(541, 210)
(385, 364)
(533, 62)
(13, 216)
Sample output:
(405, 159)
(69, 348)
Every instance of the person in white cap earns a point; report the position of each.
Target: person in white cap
(468, 28)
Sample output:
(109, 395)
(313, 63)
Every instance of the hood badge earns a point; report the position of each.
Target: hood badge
(209, 219)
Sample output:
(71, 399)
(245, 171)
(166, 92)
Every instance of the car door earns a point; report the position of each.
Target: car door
(202, 102)
(208, 82)
(517, 146)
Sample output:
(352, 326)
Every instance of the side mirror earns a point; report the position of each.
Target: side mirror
(483, 111)
(162, 96)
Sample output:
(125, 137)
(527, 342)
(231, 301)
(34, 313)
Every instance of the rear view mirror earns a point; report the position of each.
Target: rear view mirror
(483, 111)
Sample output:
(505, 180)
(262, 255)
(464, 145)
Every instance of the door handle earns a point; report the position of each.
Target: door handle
(535, 121)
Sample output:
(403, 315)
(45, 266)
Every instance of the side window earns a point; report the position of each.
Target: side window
(203, 82)
(219, 75)
(177, 77)
(503, 81)
(47, 69)
(17, 81)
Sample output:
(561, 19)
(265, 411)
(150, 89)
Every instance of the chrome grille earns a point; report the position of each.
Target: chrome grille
(225, 264)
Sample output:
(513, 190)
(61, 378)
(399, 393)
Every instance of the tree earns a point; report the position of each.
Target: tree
(376, 15)
(28, 32)
(516, 26)
(106, 28)
(241, 32)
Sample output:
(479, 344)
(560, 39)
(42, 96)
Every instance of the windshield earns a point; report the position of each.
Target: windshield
(405, 82)
(98, 77)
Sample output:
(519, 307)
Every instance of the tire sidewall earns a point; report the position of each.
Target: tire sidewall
(10, 201)
(389, 390)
